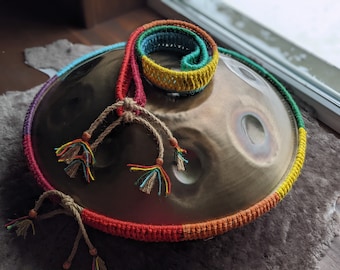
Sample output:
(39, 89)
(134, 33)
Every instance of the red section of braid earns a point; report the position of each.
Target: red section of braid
(141, 232)
(130, 70)
(34, 167)
(140, 96)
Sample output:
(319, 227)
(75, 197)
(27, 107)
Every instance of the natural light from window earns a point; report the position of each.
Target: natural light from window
(313, 25)
(298, 41)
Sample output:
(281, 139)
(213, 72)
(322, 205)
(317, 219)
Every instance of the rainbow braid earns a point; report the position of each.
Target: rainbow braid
(198, 64)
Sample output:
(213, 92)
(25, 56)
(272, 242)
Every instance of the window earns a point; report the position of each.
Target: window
(298, 41)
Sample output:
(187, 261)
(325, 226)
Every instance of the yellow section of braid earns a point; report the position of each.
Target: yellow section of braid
(179, 81)
(297, 166)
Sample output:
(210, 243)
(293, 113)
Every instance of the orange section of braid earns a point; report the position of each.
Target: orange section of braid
(215, 227)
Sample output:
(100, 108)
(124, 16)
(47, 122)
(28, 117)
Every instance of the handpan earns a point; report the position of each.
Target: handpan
(167, 137)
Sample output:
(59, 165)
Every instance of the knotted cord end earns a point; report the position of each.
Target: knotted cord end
(178, 154)
(75, 153)
(98, 263)
(22, 227)
(152, 173)
(23, 224)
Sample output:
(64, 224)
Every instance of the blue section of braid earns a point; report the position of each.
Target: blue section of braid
(88, 56)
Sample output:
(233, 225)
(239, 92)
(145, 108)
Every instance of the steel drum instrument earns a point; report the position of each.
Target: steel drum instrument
(242, 138)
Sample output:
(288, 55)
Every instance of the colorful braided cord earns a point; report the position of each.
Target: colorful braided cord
(198, 64)
(198, 67)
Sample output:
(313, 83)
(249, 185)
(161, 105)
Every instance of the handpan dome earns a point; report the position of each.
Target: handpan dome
(235, 130)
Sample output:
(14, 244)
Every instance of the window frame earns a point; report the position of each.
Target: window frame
(326, 107)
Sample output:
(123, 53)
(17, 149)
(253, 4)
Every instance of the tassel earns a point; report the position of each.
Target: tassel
(180, 159)
(69, 153)
(152, 173)
(179, 154)
(22, 225)
(148, 181)
(98, 263)
(72, 169)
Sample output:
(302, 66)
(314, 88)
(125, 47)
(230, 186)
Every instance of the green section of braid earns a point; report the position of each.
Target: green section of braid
(187, 60)
(284, 92)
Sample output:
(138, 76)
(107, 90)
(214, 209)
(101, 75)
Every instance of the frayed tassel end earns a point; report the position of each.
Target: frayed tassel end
(180, 159)
(179, 154)
(152, 173)
(22, 226)
(98, 263)
(148, 183)
(71, 150)
(72, 169)
(70, 153)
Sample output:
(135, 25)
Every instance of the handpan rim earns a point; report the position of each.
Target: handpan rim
(197, 230)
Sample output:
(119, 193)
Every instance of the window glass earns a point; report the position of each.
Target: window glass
(298, 41)
(313, 25)
(295, 34)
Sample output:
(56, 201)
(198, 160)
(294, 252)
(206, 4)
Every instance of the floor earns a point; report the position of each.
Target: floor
(20, 29)
(24, 26)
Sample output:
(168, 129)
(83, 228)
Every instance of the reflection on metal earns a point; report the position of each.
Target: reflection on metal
(240, 135)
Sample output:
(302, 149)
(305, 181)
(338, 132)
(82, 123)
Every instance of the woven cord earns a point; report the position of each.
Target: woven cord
(69, 207)
(197, 67)
(126, 81)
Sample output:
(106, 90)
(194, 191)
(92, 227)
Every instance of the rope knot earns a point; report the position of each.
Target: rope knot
(68, 202)
(129, 104)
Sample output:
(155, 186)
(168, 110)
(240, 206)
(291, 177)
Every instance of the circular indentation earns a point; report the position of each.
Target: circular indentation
(253, 129)
(246, 74)
(193, 169)
(253, 135)
(69, 107)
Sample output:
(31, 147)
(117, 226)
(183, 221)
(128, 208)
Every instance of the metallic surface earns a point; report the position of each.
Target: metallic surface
(240, 135)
